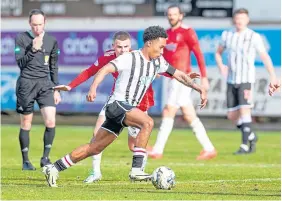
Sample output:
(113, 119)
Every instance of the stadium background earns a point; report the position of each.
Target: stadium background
(84, 29)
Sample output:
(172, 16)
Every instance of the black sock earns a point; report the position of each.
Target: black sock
(59, 165)
(246, 129)
(49, 136)
(137, 161)
(24, 143)
(138, 158)
(239, 126)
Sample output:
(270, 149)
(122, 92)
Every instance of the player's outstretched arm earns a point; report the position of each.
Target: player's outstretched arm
(109, 68)
(187, 79)
(274, 82)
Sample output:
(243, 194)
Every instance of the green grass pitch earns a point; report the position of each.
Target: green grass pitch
(227, 177)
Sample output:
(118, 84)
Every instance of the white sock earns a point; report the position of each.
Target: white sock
(163, 134)
(251, 136)
(201, 135)
(96, 163)
(239, 122)
(245, 147)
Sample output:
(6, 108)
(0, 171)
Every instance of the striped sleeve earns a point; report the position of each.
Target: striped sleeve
(122, 62)
(258, 43)
(223, 39)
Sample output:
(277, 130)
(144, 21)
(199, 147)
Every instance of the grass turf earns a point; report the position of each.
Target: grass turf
(227, 177)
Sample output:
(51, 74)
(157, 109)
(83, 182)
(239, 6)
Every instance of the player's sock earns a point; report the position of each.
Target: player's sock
(139, 159)
(24, 143)
(48, 139)
(252, 136)
(63, 163)
(201, 135)
(239, 123)
(163, 134)
(246, 128)
(96, 163)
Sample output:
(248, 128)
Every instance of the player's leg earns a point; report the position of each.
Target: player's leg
(103, 138)
(190, 116)
(168, 115)
(137, 118)
(49, 117)
(245, 102)
(132, 135)
(25, 104)
(46, 102)
(95, 174)
(26, 120)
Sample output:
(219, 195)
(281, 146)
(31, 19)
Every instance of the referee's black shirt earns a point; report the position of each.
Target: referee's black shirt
(40, 64)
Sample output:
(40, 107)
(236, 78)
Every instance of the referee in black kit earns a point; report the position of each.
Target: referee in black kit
(37, 57)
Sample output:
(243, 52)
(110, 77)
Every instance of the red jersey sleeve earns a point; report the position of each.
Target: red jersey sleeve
(193, 43)
(89, 72)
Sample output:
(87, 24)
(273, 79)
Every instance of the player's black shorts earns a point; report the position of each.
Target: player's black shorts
(115, 114)
(30, 90)
(239, 96)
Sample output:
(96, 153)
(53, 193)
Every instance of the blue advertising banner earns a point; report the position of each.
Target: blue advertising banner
(76, 48)
(75, 100)
(210, 38)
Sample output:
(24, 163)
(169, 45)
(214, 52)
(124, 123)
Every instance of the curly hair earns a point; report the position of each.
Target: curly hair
(154, 32)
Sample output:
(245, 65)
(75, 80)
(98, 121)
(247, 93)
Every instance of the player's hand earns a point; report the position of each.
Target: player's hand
(205, 83)
(57, 97)
(193, 75)
(90, 97)
(37, 42)
(224, 70)
(204, 99)
(274, 85)
(62, 88)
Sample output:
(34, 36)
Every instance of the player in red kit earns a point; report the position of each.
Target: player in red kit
(182, 40)
(121, 45)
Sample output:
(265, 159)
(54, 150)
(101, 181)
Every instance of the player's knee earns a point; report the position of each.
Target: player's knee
(148, 124)
(50, 123)
(26, 124)
(231, 116)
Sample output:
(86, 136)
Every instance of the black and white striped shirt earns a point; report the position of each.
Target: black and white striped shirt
(241, 50)
(136, 74)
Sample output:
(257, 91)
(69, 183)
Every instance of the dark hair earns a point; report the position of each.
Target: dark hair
(121, 35)
(36, 12)
(175, 6)
(154, 32)
(241, 11)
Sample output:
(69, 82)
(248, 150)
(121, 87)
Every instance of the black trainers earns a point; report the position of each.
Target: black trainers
(241, 151)
(253, 144)
(45, 161)
(28, 166)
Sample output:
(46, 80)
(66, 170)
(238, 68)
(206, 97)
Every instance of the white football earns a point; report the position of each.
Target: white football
(163, 178)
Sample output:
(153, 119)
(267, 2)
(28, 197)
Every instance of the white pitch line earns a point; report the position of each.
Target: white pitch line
(116, 183)
(239, 165)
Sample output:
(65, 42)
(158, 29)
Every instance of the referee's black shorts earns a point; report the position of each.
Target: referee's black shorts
(239, 96)
(30, 90)
(115, 115)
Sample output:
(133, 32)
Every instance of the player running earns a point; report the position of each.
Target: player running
(121, 44)
(137, 70)
(182, 40)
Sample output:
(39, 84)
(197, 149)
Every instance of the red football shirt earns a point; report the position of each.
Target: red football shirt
(180, 43)
(148, 99)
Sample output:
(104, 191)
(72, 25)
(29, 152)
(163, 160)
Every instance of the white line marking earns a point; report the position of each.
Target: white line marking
(125, 163)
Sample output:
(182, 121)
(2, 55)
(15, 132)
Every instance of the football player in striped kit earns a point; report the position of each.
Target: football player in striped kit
(137, 70)
(242, 44)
